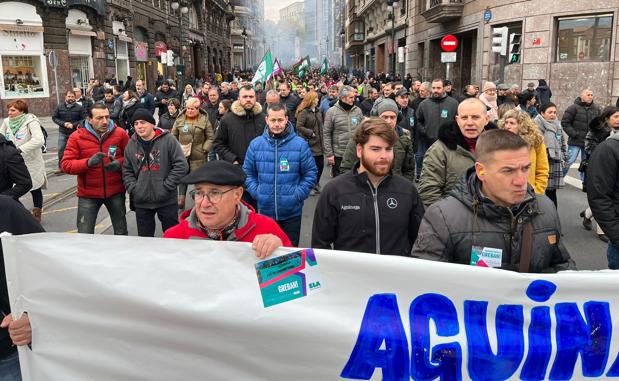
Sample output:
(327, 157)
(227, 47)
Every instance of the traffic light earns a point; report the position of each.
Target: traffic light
(499, 40)
(514, 47)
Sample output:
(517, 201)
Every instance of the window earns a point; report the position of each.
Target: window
(23, 76)
(584, 38)
(359, 34)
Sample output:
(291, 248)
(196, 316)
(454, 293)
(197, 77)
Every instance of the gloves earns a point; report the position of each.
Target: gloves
(96, 159)
(113, 166)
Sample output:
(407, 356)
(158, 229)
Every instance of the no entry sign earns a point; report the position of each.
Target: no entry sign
(449, 43)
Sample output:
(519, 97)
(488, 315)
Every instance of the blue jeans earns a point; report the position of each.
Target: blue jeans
(422, 147)
(292, 228)
(62, 144)
(88, 209)
(9, 368)
(572, 155)
(613, 256)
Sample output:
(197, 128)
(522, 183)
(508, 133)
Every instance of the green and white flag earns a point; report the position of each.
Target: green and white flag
(325, 66)
(302, 67)
(265, 69)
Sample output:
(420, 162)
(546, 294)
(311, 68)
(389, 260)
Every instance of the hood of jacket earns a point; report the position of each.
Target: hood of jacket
(89, 128)
(3, 140)
(468, 192)
(451, 136)
(238, 110)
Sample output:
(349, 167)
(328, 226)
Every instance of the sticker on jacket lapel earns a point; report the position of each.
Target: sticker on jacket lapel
(111, 153)
(143, 100)
(444, 113)
(186, 127)
(283, 165)
(354, 120)
(486, 256)
(411, 121)
(552, 239)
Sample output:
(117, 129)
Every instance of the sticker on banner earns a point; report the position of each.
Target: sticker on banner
(288, 277)
(486, 257)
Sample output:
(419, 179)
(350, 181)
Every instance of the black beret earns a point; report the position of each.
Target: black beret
(218, 172)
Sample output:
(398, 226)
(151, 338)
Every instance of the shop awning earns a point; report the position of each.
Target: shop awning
(124, 38)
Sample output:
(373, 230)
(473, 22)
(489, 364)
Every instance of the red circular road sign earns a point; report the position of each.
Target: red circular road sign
(449, 43)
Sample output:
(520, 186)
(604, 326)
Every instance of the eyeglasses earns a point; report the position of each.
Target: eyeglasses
(214, 196)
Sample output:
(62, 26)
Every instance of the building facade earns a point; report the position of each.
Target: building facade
(573, 45)
(247, 33)
(375, 34)
(52, 46)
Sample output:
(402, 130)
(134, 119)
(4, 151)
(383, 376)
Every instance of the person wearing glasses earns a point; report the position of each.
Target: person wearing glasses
(219, 214)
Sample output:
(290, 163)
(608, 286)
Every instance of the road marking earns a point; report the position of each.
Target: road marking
(60, 210)
(576, 183)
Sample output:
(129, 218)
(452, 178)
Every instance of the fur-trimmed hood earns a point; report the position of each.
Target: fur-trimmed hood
(238, 110)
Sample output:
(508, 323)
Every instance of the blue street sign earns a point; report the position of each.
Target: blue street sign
(487, 15)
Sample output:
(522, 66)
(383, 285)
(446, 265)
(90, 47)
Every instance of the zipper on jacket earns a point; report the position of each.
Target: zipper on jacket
(376, 216)
(102, 170)
(275, 177)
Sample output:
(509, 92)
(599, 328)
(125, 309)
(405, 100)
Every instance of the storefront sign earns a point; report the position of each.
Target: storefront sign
(141, 51)
(21, 41)
(98, 5)
(160, 47)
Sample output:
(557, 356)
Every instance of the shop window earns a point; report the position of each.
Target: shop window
(584, 38)
(23, 76)
(80, 71)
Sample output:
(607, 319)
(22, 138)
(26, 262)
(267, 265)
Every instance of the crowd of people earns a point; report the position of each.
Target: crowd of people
(415, 169)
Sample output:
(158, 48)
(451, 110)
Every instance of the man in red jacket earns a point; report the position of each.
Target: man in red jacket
(95, 154)
(219, 214)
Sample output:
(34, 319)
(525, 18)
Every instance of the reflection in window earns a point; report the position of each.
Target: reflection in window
(585, 38)
(22, 76)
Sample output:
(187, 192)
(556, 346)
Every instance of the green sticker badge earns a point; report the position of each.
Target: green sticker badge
(288, 277)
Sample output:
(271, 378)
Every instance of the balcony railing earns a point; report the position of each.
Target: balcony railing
(443, 11)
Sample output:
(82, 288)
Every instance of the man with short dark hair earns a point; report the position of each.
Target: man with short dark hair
(493, 218)
(95, 154)
(67, 116)
(280, 193)
(368, 103)
(164, 94)
(329, 101)
(146, 99)
(289, 99)
(369, 209)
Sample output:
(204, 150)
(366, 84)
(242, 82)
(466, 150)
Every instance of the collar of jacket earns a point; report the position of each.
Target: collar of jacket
(244, 226)
(239, 111)
(468, 192)
(159, 132)
(288, 134)
(437, 100)
(89, 128)
(362, 177)
(451, 136)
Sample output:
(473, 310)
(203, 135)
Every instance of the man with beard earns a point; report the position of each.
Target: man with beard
(368, 103)
(431, 114)
(67, 116)
(146, 99)
(369, 209)
(327, 102)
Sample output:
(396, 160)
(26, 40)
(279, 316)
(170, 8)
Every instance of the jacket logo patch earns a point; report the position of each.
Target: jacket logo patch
(552, 239)
(392, 203)
(351, 207)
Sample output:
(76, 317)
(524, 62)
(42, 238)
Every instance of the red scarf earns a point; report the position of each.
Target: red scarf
(470, 144)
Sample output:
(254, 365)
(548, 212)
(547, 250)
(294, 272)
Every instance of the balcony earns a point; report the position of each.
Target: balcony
(441, 11)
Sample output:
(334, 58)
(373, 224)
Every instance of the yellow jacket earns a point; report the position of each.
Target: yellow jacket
(538, 174)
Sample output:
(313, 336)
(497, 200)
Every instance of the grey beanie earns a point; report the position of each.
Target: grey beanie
(387, 104)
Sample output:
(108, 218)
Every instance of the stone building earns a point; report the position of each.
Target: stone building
(108, 40)
(247, 48)
(571, 44)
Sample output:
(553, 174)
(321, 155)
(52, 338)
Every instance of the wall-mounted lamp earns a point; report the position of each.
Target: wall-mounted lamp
(19, 22)
(81, 22)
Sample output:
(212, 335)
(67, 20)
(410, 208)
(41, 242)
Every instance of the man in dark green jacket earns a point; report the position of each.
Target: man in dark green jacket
(404, 157)
(493, 218)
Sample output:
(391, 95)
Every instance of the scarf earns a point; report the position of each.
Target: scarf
(345, 106)
(225, 232)
(16, 123)
(129, 103)
(553, 136)
(471, 143)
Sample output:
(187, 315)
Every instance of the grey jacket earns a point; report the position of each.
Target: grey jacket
(432, 113)
(338, 127)
(152, 179)
(453, 225)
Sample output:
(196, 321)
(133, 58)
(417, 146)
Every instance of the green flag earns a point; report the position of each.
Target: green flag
(325, 66)
(302, 67)
(265, 69)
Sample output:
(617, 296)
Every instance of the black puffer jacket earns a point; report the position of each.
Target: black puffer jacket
(236, 130)
(346, 215)
(16, 220)
(603, 186)
(576, 121)
(452, 226)
(74, 114)
(15, 180)
(291, 102)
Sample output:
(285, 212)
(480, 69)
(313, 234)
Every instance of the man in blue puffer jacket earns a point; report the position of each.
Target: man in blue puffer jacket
(281, 172)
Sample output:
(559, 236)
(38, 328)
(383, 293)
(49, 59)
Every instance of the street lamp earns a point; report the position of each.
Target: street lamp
(391, 6)
(183, 9)
(244, 35)
(342, 34)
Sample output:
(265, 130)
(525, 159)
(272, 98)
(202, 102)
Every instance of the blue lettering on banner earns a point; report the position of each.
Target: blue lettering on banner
(588, 337)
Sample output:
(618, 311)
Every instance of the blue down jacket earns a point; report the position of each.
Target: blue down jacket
(281, 172)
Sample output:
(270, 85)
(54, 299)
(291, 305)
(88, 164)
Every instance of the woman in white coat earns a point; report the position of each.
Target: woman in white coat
(24, 130)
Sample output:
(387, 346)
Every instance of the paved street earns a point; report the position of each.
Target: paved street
(60, 211)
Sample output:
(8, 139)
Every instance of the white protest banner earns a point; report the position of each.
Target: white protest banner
(128, 308)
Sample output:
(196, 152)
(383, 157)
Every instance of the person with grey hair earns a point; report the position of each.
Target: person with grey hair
(340, 121)
(272, 98)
